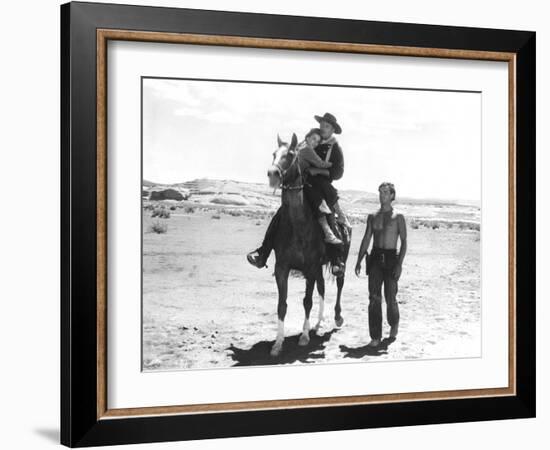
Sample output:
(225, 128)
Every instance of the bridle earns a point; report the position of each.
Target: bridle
(282, 173)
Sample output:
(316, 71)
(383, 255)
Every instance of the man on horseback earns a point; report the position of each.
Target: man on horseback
(329, 150)
(319, 179)
(309, 160)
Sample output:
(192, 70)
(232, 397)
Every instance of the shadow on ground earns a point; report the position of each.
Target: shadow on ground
(50, 434)
(365, 350)
(258, 354)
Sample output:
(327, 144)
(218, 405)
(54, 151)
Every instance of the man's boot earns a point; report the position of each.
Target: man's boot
(258, 258)
(340, 216)
(329, 235)
(323, 207)
(338, 267)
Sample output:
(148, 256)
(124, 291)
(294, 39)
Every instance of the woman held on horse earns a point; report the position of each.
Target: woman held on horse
(307, 159)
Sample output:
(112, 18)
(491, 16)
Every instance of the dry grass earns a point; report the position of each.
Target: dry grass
(436, 224)
(158, 227)
(161, 213)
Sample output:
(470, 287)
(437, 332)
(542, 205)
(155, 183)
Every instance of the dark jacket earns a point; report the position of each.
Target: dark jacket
(336, 157)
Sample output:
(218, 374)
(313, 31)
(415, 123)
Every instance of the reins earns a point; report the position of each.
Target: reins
(286, 187)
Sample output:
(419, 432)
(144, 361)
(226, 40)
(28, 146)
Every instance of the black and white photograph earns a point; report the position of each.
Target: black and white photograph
(295, 224)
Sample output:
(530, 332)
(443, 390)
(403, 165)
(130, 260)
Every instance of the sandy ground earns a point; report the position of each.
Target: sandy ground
(204, 306)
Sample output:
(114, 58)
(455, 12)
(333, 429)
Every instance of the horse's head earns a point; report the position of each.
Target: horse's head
(284, 167)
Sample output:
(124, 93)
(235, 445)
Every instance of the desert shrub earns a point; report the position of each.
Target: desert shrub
(435, 224)
(216, 216)
(423, 224)
(172, 208)
(469, 226)
(158, 227)
(161, 213)
(189, 210)
(258, 223)
(235, 213)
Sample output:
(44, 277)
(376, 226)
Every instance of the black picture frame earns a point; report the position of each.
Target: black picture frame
(80, 425)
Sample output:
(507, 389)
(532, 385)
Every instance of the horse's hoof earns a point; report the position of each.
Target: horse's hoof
(339, 321)
(276, 349)
(304, 340)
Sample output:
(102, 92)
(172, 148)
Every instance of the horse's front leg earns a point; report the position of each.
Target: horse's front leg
(321, 291)
(338, 319)
(308, 302)
(281, 276)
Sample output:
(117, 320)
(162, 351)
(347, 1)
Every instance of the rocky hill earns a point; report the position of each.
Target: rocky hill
(231, 194)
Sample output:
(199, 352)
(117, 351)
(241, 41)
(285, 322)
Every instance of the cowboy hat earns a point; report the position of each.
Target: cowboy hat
(329, 118)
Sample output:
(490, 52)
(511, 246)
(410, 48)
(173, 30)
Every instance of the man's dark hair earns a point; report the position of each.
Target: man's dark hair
(390, 186)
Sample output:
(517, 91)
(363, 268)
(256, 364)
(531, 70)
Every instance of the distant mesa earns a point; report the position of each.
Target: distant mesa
(215, 192)
(364, 199)
(206, 191)
(230, 199)
(167, 194)
(164, 193)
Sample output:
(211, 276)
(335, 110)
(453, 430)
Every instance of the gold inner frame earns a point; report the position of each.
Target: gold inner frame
(104, 35)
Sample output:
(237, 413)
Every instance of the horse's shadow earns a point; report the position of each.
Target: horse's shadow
(259, 353)
(366, 350)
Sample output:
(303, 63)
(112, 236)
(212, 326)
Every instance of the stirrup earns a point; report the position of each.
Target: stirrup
(338, 269)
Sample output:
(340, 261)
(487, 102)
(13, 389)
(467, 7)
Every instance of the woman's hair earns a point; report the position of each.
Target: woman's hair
(390, 186)
(313, 131)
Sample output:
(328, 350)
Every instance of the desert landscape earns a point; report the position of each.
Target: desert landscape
(205, 306)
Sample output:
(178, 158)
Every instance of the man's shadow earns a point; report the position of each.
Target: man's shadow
(259, 353)
(366, 350)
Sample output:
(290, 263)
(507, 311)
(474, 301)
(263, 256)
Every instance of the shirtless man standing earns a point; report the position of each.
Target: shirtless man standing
(384, 264)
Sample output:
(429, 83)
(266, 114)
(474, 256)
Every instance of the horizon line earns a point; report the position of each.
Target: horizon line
(453, 200)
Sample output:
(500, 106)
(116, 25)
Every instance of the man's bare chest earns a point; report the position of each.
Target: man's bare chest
(385, 222)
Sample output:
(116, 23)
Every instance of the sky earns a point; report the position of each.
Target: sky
(428, 143)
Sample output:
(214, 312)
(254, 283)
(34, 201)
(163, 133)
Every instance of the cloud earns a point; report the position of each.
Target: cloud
(219, 117)
(171, 90)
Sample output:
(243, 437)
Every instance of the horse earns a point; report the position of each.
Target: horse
(299, 243)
